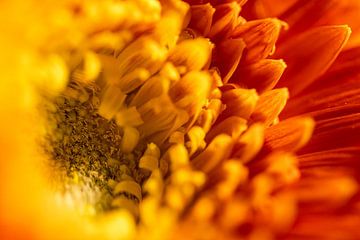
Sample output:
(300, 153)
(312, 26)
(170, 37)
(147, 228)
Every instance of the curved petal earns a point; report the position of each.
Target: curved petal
(227, 57)
(310, 54)
(269, 106)
(259, 36)
(224, 21)
(216, 152)
(262, 75)
(289, 135)
(201, 18)
(328, 12)
(339, 131)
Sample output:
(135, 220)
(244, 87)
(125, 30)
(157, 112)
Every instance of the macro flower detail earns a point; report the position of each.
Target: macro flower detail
(179, 119)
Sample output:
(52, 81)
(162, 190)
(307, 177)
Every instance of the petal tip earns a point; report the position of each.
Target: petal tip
(343, 32)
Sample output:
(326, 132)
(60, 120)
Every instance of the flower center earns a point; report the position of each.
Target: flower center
(85, 159)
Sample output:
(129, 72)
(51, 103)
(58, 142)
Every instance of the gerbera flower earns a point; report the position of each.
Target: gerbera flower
(173, 119)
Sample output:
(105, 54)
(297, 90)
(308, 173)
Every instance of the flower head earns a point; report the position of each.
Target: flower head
(170, 119)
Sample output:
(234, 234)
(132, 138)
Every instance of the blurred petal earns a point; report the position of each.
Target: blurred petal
(232, 126)
(266, 8)
(326, 226)
(216, 152)
(301, 17)
(309, 191)
(193, 54)
(250, 143)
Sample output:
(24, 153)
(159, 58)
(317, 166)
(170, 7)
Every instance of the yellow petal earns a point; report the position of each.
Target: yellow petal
(154, 87)
(161, 118)
(129, 140)
(209, 115)
(234, 175)
(112, 101)
(144, 52)
(250, 143)
(193, 53)
(133, 79)
(128, 117)
(239, 102)
(232, 126)
(217, 151)
(149, 163)
(130, 187)
(191, 92)
(126, 203)
(177, 156)
(196, 141)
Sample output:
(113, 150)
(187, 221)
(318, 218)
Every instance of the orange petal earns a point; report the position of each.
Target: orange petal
(328, 101)
(301, 16)
(347, 157)
(225, 19)
(347, 62)
(259, 36)
(335, 132)
(227, 57)
(345, 68)
(284, 169)
(289, 135)
(326, 226)
(262, 75)
(310, 54)
(201, 18)
(269, 106)
(266, 8)
(320, 190)
(337, 87)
